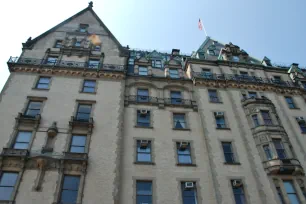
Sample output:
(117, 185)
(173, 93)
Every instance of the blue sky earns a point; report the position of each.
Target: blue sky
(273, 28)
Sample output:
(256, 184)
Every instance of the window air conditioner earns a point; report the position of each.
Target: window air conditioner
(300, 119)
(143, 112)
(189, 185)
(219, 113)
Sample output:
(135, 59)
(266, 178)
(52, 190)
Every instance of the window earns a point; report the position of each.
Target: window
(228, 152)
(70, 187)
(189, 193)
(58, 44)
(7, 183)
(77, 44)
(280, 195)
(268, 152)
(213, 96)
(143, 71)
(290, 102)
(93, 63)
(211, 52)
(157, 63)
(304, 85)
(131, 61)
(303, 191)
(78, 143)
(266, 117)
(83, 113)
(244, 96)
(22, 140)
(252, 94)
(143, 95)
(174, 73)
(51, 60)
(244, 73)
(280, 150)
(183, 153)
(220, 120)
(235, 58)
(277, 79)
(83, 28)
(43, 83)
(143, 151)
(143, 118)
(176, 97)
(179, 121)
(206, 73)
(97, 48)
(89, 86)
(292, 195)
(33, 109)
(238, 192)
(144, 192)
(302, 124)
(255, 120)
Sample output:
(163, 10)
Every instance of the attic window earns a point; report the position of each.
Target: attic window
(235, 58)
(157, 63)
(211, 52)
(97, 48)
(77, 44)
(83, 28)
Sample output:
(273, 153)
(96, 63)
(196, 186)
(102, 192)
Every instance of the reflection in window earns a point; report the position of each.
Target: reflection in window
(143, 151)
(7, 184)
(144, 192)
(291, 193)
(69, 191)
(78, 144)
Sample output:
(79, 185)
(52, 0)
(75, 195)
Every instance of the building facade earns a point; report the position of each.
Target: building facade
(86, 120)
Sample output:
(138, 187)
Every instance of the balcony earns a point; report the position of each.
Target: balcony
(243, 79)
(268, 128)
(76, 122)
(10, 152)
(64, 64)
(180, 102)
(283, 166)
(75, 156)
(254, 100)
(141, 99)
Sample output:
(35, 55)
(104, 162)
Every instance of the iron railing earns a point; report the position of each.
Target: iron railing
(244, 79)
(142, 99)
(66, 64)
(177, 101)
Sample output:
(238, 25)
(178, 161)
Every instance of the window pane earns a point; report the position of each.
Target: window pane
(189, 200)
(239, 199)
(176, 94)
(42, 86)
(8, 179)
(144, 199)
(21, 145)
(24, 137)
(6, 192)
(71, 182)
(75, 149)
(84, 108)
(144, 157)
(184, 151)
(293, 199)
(289, 187)
(186, 159)
(88, 89)
(34, 105)
(90, 83)
(44, 80)
(143, 92)
(144, 188)
(69, 196)
(188, 192)
(78, 140)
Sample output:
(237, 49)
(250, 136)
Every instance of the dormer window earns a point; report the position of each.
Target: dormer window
(97, 48)
(83, 28)
(157, 63)
(211, 52)
(77, 44)
(235, 59)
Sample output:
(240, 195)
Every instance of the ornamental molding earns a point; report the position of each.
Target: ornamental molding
(70, 72)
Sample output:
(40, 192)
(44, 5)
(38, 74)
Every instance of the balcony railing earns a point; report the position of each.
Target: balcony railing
(177, 101)
(14, 152)
(243, 79)
(142, 99)
(256, 100)
(66, 64)
(283, 166)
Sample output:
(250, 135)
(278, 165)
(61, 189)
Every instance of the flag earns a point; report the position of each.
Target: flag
(200, 24)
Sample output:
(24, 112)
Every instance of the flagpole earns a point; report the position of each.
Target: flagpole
(204, 29)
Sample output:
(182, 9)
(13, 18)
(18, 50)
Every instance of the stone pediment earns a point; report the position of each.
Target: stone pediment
(155, 55)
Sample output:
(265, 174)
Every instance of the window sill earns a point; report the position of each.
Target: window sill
(223, 128)
(230, 163)
(188, 165)
(137, 126)
(303, 133)
(294, 108)
(144, 163)
(36, 89)
(93, 93)
(6, 202)
(182, 129)
(218, 102)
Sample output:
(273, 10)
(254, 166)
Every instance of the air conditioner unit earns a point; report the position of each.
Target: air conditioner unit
(300, 119)
(183, 145)
(237, 183)
(219, 113)
(189, 185)
(143, 112)
(144, 143)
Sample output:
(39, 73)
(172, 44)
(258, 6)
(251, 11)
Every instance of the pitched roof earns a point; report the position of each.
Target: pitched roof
(31, 42)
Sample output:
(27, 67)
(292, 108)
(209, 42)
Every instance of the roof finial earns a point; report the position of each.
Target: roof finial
(90, 4)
